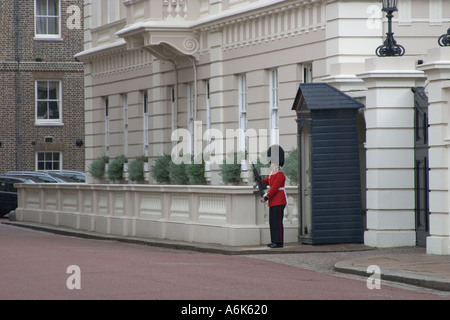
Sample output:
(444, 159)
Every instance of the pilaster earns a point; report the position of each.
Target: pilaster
(390, 150)
(437, 68)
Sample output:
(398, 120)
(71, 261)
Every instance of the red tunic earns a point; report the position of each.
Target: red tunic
(276, 181)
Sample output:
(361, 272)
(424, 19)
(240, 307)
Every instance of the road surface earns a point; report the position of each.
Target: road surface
(45, 266)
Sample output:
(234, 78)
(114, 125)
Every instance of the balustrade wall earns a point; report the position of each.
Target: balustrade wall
(209, 214)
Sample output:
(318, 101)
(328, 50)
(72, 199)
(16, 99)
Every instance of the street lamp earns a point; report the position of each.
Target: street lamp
(444, 40)
(390, 47)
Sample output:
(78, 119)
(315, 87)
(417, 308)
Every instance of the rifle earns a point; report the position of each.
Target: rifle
(260, 185)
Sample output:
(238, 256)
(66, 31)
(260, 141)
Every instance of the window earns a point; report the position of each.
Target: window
(273, 92)
(145, 124)
(125, 124)
(111, 10)
(243, 118)
(47, 19)
(106, 104)
(190, 115)
(173, 119)
(48, 102)
(48, 161)
(208, 124)
(307, 73)
(10, 185)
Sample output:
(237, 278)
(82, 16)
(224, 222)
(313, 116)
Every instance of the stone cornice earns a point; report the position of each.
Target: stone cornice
(172, 38)
(100, 51)
(165, 44)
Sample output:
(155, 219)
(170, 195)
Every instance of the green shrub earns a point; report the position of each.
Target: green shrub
(290, 167)
(160, 169)
(230, 171)
(97, 167)
(260, 166)
(115, 168)
(196, 172)
(136, 169)
(177, 173)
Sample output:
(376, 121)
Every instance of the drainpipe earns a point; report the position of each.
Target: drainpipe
(19, 156)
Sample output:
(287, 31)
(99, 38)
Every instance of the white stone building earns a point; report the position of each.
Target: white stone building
(155, 66)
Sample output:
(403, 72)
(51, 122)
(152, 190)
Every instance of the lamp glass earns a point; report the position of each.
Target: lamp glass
(390, 5)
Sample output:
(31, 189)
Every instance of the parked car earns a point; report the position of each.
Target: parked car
(8, 192)
(43, 177)
(78, 176)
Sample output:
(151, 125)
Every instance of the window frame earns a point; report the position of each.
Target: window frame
(274, 118)
(125, 110)
(45, 160)
(243, 120)
(47, 36)
(190, 114)
(145, 123)
(48, 122)
(107, 124)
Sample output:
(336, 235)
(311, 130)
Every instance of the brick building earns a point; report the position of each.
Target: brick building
(41, 85)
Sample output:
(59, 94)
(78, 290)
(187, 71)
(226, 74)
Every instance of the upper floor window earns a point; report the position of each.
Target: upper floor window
(111, 10)
(307, 73)
(106, 105)
(190, 114)
(145, 123)
(243, 118)
(47, 19)
(48, 102)
(273, 104)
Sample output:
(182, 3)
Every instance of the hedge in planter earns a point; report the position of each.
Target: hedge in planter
(290, 167)
(97, 167)
(115, 168)
(136, 169)
(160, 169)
(260, 165)
(177, 173)
(231, 170)
(196, 172)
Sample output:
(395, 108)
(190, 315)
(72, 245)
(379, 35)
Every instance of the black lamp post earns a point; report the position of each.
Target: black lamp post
(390, 47)
(444, 40)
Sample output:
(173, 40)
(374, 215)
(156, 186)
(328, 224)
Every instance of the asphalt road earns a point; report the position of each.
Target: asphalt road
(42, 266)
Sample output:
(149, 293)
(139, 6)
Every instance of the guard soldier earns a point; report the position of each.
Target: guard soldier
(276, 196)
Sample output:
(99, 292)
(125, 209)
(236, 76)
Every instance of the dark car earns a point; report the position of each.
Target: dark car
(8, 192)
(43, 177)
(77, 176)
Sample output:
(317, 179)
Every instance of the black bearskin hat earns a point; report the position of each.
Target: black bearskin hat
(275, 154)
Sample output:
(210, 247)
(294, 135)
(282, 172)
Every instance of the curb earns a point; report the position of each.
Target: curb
(395, 276)
(181, 245)
(141, 241)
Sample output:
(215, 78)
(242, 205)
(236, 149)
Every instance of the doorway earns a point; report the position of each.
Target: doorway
(306, 187)
(421, 170)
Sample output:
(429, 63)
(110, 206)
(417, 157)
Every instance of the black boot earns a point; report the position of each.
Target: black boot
(275, 245)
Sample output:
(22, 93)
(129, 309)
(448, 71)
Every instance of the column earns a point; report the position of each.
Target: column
(437, 69)
(390, 150)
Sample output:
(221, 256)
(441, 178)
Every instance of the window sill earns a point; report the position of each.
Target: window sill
(49, 124)
(48, 39)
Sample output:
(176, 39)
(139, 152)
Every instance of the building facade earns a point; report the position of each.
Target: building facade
(208, 66)
(184, 76)
(42, 85)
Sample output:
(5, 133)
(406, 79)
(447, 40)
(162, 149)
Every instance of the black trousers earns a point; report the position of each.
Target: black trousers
(276, 215)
